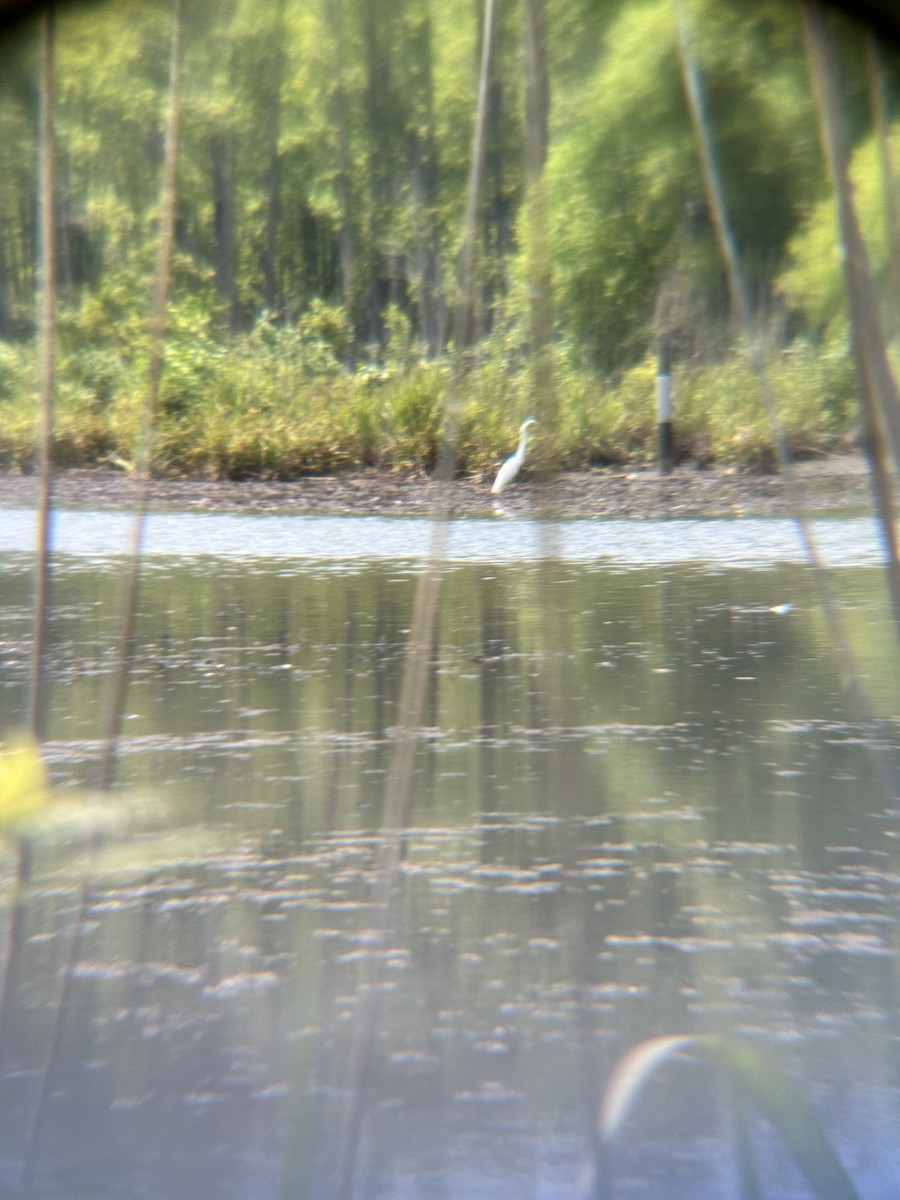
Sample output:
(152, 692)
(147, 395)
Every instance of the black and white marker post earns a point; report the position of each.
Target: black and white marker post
(664, 411)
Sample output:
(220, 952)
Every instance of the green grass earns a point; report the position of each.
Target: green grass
(278, 403)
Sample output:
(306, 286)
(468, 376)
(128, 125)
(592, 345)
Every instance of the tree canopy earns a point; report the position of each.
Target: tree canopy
(325, 150)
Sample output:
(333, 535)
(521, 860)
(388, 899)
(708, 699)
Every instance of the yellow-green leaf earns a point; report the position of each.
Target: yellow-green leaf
(23, 780)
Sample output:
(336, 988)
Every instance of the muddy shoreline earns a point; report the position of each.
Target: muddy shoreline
(823, 485)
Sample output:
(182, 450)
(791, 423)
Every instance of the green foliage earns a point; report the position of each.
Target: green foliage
(321, 186)
(413, 410)
(326, 326)
(813, 281)
(721, 416)
(325, 159)
(278, 402)
(625, 194)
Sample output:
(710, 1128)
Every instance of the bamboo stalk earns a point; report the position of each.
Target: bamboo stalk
(32, 1145)
(881, 125)
(47, 359)
(540, 266)
(145, 450)
(740, 296)
(878, 393)
(576, 908)
(413, 691)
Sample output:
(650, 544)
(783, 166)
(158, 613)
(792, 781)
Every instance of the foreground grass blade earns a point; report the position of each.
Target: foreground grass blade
(631, 1074)
(752, 1076)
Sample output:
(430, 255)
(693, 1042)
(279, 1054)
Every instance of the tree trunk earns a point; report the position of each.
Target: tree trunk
(223, 182)
(345, 189)
(537, 88)
(431, 304)
(537, 125)
(273, 296)
(5, 318)
(465, 316)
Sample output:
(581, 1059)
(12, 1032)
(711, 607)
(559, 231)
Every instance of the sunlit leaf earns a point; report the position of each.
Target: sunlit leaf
(23, 781)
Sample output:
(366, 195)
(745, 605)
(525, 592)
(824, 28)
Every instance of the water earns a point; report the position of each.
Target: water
(750, 542)
(642, 804)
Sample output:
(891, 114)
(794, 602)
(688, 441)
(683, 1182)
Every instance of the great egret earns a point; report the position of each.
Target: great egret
(513, 464)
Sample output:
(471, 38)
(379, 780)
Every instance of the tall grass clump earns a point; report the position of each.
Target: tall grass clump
(280, 403)
(720, 415)
(18, 404)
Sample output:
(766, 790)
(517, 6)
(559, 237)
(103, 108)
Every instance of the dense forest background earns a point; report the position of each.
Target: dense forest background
(325, 149)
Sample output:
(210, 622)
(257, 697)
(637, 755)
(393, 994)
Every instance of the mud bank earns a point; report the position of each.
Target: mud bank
(824, 485)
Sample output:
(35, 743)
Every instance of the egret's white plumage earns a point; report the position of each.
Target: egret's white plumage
(513, 464)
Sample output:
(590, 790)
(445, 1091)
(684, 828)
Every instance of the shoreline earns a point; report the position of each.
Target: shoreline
(824, 485)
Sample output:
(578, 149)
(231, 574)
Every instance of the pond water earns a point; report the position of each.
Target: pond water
(643, 803)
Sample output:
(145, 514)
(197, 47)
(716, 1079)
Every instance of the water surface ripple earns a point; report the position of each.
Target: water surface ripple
(750, 542)
(642, 803)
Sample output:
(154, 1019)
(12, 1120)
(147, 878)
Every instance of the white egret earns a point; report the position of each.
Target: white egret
(513, 464)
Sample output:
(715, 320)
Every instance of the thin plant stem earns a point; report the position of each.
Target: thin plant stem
(576, 905)
(540, 266)
(47, 340)
(16, 935)
(740, 297)
(426, 608)
(145, 450)
(34, 1137)
(881, 124)
(877, 390)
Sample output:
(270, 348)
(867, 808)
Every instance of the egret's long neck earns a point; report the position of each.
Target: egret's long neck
(520, 453)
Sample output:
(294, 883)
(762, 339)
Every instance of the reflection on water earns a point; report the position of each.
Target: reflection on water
(641, 805)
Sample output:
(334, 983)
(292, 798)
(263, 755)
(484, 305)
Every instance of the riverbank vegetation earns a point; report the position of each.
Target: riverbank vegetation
(314, 322)
(273, 404)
